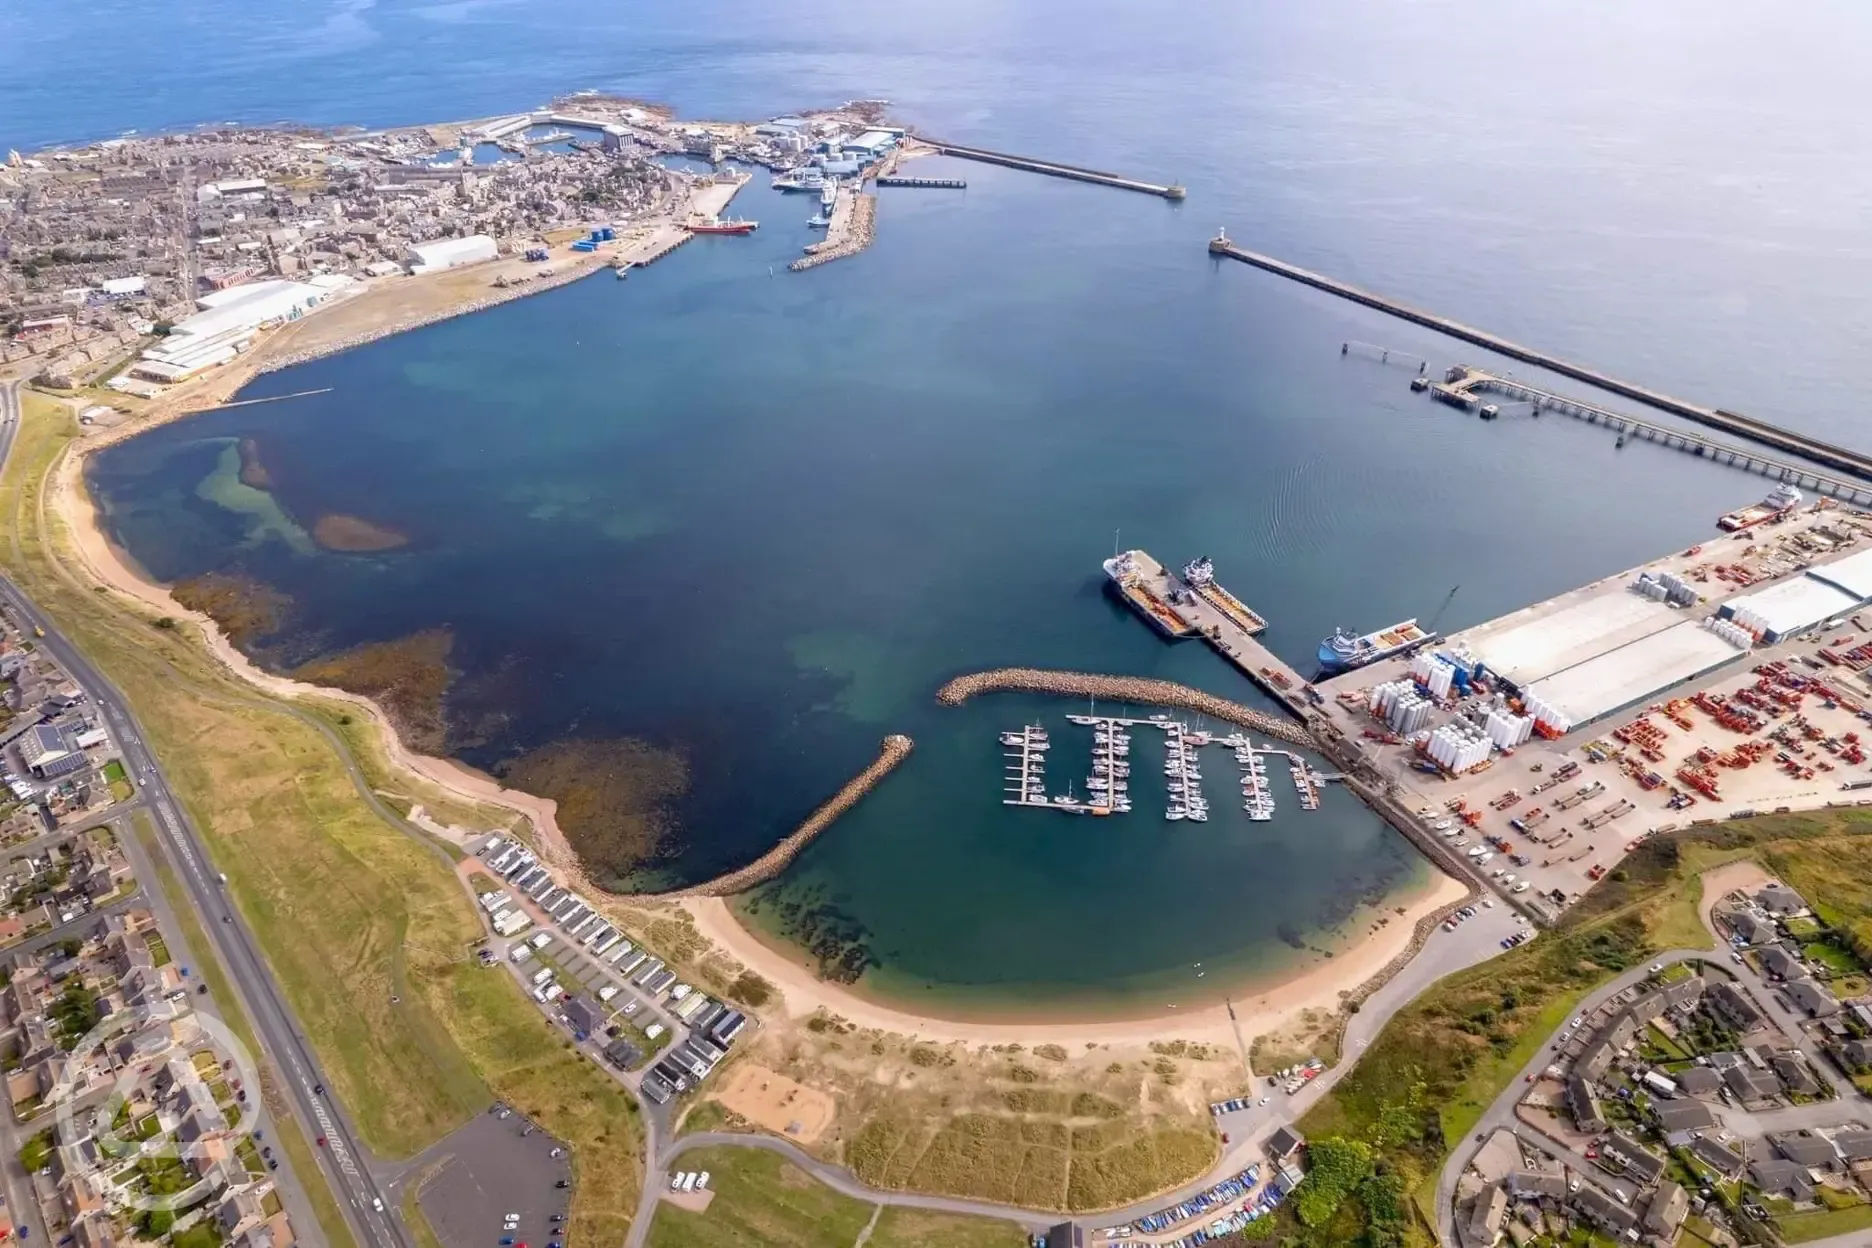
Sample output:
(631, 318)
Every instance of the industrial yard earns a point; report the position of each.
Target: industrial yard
(1712, 683)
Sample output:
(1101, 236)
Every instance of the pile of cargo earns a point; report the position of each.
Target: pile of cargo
(1458, 747)
(1550, 721)
(1699, 777)
(1644, 736)
(1400, 706)
(1730, 716)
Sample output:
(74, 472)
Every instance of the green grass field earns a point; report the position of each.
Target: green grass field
(916, 1228)
(1798, 1228)
(350, 910)
(761, 1201)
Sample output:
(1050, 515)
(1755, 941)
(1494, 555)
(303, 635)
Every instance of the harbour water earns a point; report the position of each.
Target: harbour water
(754, 521)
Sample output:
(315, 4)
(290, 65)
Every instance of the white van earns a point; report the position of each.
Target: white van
(688, 1183)
(676, 1180)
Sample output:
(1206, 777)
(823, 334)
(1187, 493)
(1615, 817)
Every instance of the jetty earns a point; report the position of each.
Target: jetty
(1463, 384)
(854, 225)
(949, 184)
(1758, 431)
(1139, 690)
(1229, 627)
(1054, 169)
(895, 749)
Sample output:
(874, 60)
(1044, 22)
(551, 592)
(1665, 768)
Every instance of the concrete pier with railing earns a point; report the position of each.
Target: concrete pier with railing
(1759, 431)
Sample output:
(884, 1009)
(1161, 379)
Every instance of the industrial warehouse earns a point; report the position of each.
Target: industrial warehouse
(1715, 682)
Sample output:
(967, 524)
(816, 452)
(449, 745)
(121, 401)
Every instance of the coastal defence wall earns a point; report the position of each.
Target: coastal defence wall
(1123, 689)
(1761, 431)
(896, 748)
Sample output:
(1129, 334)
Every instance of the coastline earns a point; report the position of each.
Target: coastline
(1263, 1006)
(106, 565)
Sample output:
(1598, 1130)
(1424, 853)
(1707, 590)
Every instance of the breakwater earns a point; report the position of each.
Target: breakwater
(952, 184)
(896, 748)
(1054, 169)
(854, 225)
(1141, 689)
(1716, 418)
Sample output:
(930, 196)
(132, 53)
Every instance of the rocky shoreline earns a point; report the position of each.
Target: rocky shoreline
(896, 748)
(1123, 689)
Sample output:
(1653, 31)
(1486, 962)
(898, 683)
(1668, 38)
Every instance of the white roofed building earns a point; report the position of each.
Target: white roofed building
(224, 327)
(449, 253)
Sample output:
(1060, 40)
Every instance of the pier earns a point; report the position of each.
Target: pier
(1054, 169)
(1759, 431)
(1230, 629)
(948, 184)
(1463, 384)
(1141, 690)
(854, 224)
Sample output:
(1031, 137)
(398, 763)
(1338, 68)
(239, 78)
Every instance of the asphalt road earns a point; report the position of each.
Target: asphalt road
(342, 1160)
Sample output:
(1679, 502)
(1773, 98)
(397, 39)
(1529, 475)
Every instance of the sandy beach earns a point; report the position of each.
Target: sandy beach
(1319, 988)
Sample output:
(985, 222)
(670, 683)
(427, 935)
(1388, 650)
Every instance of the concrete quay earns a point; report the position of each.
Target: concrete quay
(1230, 637)
(1056, 170)
(1760, 431)
(1473, 380)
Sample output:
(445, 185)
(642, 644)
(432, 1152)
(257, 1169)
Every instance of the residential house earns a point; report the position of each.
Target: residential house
(1603, 1211)
(1750, 1085)
(277, 1232)
(1486, 1216)
(1733, 1008)
(1813, 999)
(239, 1209)
(1725, 1161)
(1675, 1117)
(1781, 901)
(1804, 1148)
(1795, 1075)
(94, 1233)
(1854, 1144)
(1583, 1105)
(1698, 1081)
(1631, 1158)
(1858, 1054)
(1667, 1210)
(1537, 1185)
(1783, 1178)
(1753, 928)
(1780, 964)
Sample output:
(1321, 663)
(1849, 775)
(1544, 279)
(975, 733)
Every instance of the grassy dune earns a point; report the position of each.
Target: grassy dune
(351, 910)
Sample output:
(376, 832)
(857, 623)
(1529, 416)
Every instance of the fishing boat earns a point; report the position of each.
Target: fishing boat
(804, 178)
(818, 221)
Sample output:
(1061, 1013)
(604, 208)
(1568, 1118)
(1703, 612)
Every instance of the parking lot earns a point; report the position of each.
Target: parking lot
(487, 1169)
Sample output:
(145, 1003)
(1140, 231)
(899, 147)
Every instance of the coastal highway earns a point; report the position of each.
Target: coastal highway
(342, 1160)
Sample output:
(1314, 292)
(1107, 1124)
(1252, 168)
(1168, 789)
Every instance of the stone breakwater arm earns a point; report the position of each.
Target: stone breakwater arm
(774, 861)
(1123, 689)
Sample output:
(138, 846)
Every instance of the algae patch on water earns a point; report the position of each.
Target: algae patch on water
(227, 487)
(408, 677)
(245, 608)
(355, 535)
(614, 798)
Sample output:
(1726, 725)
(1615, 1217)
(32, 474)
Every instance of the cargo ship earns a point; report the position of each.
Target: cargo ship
(1781, 500)
(1129, 573)
(1199, 575)
(1342, 652)
(715, 225)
